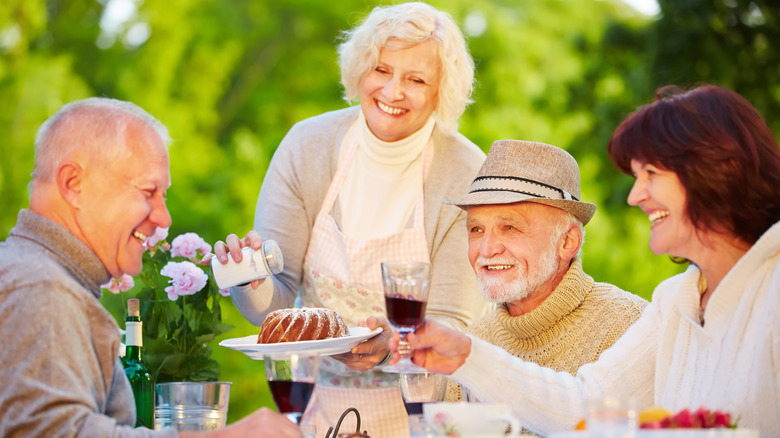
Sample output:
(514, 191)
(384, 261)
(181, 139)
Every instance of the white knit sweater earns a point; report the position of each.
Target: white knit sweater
(666, 358)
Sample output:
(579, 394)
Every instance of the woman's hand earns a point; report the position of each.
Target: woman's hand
(232, 246)
(436, 348)
(372, 352)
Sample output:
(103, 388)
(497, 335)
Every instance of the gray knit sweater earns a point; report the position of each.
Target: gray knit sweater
(59, 370)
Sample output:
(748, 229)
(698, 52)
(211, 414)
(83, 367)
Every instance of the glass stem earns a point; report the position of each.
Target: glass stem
(404, 349)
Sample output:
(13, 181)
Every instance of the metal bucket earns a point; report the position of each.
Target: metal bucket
(191, 405)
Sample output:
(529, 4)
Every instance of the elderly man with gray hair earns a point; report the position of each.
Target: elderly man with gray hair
(525, 225)
(97, 191)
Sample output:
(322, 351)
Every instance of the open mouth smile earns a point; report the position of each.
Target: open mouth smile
(498, 267)
(390, 110)
(140, 236)
(657, 215)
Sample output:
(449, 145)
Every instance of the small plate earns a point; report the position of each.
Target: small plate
(325, 347)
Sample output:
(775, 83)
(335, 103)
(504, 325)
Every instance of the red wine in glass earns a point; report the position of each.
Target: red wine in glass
(406, 285)
(414, 408)
(291, 378)
(291, 397)
(405, 314)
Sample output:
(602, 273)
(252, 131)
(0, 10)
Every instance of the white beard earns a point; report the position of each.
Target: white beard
(497, 290)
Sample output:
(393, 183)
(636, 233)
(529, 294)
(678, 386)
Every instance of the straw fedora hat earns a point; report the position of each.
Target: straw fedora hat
(526, 171)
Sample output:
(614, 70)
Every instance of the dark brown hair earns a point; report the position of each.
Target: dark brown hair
(721, 149)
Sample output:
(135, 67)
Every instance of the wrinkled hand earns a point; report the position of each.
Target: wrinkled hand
(232, 245)
(436, 348)
(372, 352)
(263, 423)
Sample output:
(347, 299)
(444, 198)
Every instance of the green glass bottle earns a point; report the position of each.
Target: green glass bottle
(141, 379)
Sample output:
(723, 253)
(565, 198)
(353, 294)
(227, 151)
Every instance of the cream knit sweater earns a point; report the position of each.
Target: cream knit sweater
(666, 358)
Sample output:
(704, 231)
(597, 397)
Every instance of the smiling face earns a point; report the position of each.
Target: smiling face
(662, 197)
(513, 250)
(400, 94)
(124, 202)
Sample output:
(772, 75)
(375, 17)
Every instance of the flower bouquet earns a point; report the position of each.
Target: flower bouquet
(180, 308)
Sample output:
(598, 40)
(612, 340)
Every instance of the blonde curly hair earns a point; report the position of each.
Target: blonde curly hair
(409, 24)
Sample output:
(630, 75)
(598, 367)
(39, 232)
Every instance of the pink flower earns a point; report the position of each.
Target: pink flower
(159, 235)
(189, 245)
(224, 292)
(121, 284)
(441, 419)
(186, 278)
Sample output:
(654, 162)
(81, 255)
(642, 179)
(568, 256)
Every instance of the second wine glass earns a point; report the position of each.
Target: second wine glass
(291, 378)
(406, 287)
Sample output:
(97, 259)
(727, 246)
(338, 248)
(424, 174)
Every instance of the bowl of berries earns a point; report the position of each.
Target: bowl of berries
(700, 423)
(657, 422)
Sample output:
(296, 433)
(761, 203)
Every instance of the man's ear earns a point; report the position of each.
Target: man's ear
(570, 243)
(70, 181)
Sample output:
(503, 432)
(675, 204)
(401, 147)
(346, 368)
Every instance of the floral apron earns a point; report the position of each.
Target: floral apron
(344, 274)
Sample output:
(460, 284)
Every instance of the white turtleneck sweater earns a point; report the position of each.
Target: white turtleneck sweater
(384, 182)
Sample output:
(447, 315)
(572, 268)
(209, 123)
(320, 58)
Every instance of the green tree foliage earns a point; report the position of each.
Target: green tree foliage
(229, 78)
(732, 43)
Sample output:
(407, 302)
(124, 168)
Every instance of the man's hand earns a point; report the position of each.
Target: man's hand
(261, 423)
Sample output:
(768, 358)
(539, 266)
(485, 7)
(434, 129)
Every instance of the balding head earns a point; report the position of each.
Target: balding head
(95, 127)
(101, 172)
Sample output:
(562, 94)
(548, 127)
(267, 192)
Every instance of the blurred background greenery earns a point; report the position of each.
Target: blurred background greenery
(230, 77)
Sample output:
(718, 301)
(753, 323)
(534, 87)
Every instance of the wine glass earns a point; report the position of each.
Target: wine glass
(291, 378)
(406, 286)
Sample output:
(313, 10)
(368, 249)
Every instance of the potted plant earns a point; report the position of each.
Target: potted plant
(181, 315)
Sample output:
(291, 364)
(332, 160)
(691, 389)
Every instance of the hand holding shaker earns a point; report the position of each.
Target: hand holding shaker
(254, 265)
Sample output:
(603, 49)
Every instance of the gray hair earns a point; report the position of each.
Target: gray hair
(411, 24)
(96, 125)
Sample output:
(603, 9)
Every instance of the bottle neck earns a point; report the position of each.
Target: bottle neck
(133, 352)
(133, 333)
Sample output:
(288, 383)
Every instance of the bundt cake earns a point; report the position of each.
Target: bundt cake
(304, 324)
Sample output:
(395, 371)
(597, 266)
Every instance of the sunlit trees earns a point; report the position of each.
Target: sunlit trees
(230, 78)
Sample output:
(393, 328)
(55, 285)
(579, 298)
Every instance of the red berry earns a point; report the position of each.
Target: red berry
(652, 425)
(684, 419)
(722, 419)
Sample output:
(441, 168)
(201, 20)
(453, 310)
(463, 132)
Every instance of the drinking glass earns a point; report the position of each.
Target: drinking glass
(612, 418)
(406, 286)
(291, 378)
(422, 387)
(416, 390)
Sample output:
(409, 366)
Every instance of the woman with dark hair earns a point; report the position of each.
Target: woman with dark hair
(707, 172)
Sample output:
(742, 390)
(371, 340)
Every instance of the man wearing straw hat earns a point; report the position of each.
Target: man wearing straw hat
(525, 225)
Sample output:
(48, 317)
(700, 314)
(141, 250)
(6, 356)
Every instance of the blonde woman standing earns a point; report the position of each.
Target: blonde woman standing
(351, 188)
